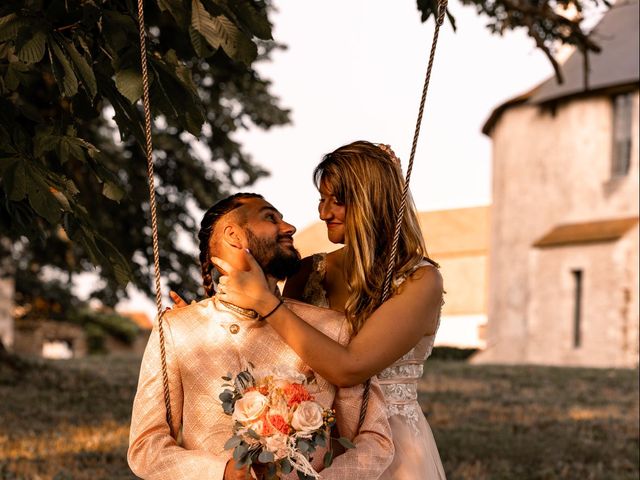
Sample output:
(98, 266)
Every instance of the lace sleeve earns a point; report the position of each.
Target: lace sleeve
(314, 293)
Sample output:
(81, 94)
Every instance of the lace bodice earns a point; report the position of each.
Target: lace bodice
(399, 381)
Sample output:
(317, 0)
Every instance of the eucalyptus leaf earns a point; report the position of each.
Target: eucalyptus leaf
(266, 457)
(226, 396)
(346, 443)
(233, 442)
(328, 459)
(240, 452)
(285, 466)
(304, 446)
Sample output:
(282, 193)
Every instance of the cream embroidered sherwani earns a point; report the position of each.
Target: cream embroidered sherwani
(204, 342)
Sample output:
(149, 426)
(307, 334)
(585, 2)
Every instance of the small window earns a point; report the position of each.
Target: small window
(622, 116)
(577, 308)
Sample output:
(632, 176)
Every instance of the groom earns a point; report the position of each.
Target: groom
(206, 340)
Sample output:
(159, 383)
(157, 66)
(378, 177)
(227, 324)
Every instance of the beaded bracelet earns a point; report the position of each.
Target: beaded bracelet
(264, 317)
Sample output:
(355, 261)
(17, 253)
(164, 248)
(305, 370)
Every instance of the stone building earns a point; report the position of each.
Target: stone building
(458, 240)
(563, 269)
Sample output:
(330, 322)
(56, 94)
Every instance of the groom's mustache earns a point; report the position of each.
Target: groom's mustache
(285, 237)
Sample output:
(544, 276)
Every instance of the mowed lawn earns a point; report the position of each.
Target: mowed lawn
(69, 420)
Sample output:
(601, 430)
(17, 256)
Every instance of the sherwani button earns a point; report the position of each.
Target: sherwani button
(234, 328)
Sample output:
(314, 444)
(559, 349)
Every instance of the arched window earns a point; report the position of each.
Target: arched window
(621, 151)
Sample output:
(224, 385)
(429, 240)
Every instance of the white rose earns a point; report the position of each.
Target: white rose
(307, 417)
(277, 444)
(250, 407)
(284, 374)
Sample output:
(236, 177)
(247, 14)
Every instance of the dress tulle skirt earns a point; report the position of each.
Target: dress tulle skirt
(416, 456)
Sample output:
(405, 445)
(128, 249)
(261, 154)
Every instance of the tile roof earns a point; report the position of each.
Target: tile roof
(586, 232)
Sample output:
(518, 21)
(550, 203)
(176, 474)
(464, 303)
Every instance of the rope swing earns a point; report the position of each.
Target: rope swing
(386, 292)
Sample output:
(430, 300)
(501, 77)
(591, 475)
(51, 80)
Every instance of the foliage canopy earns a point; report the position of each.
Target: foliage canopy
(73, 190)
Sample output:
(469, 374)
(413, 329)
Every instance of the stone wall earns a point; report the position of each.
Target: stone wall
(553, 167)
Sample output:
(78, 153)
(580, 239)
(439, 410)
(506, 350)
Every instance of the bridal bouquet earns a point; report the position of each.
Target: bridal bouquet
(277, 423)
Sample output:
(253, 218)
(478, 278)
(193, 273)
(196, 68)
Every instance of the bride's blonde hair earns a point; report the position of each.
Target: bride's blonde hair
(368, 179)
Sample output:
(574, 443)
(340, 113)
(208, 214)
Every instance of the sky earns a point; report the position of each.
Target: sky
(354, 70)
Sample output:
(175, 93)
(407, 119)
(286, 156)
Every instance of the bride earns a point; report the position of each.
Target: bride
(360, 187)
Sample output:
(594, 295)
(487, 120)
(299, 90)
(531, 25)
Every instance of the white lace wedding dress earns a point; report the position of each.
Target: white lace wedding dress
(416, 456)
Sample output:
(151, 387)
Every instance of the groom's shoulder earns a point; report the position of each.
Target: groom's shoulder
(330, 322)
(191, 315)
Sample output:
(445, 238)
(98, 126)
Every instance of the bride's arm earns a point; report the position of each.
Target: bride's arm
(391, 331)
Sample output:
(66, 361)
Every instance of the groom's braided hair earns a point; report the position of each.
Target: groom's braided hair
(207, 227)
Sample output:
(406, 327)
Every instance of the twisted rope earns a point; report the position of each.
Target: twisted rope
(386, 291)
(152, 206)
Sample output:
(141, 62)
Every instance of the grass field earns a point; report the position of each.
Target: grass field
(69, 420)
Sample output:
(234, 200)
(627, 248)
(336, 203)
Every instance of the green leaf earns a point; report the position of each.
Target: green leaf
(198, 42)
(61, 199)
(176, 9)
(118, 30)
(254, 18)
(12, 77)
(69, 85)
(346, 443)
(68, 149)
(129, 84)
(83, 69)
(112, 191)
(220, 32)
(33, 49)
(15, 181)
(44, 142)
(121, 271)
(41, 198)
(9, 26)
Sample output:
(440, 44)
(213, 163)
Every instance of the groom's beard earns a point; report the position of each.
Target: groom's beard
(276, 260)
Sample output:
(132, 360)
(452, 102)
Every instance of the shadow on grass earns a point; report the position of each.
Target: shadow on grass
(87, 465)
(534, 423)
